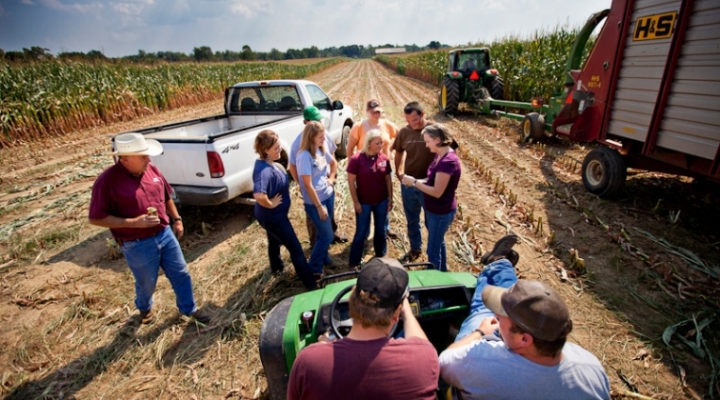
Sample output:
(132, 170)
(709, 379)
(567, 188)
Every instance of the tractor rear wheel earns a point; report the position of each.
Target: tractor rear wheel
(604, 172)
(449, 96)
(496, 87)
(533, 127)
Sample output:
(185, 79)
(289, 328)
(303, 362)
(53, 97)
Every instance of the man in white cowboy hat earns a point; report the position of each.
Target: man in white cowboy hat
(132, 198)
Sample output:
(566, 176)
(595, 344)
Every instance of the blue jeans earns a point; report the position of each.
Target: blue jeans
(413, 202)
(280, 232)
(498, 273)
(146, 256)
(437, 225)
(324, 236)
(362, 229)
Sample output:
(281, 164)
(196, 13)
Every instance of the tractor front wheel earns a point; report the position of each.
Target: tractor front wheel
(604, 172)
(496, 87)
(449, 96)
(533, 127)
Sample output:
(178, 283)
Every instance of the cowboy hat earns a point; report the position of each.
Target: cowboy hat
(128, 144)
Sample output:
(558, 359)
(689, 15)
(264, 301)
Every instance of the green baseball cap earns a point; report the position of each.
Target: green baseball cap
(312, 114)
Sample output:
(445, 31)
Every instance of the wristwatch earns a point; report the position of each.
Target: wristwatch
(414, 182)
(179, 218)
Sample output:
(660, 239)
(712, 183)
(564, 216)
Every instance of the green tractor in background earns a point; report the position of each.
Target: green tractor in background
(469, 80)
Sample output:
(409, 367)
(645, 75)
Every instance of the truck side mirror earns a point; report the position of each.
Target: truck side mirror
(337, 105)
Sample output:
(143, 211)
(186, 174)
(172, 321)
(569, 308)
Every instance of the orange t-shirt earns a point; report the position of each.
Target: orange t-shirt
(358, 131)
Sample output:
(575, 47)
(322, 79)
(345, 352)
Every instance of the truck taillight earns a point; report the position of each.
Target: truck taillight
(215, 165)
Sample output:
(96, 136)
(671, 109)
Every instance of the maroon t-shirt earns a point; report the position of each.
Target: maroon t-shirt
(119, 193)
(449, 164)
(375, 369)
(370, 172)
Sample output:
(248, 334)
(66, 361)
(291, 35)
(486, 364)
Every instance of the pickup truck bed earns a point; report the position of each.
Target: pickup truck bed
(210, 160)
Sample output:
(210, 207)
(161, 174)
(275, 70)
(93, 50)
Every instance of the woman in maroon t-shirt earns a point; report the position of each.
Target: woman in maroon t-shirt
(438, 191)
(369, 181)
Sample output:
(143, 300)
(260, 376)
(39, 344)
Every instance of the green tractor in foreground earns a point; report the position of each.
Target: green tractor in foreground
(469, 80)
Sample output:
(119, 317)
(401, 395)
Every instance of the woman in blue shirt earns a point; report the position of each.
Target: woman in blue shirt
(270, 190)
(316, 168)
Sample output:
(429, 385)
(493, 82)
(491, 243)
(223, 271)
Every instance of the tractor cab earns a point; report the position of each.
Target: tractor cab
(469, 79)
(467, 61)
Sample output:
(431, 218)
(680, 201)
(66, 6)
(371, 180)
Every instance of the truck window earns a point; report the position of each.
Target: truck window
(265, 98)
(318, 97)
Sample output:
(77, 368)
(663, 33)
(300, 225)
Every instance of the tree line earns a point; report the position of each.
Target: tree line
(205, 53)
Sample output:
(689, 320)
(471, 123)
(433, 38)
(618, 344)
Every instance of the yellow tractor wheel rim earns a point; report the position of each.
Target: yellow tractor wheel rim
(443, 96)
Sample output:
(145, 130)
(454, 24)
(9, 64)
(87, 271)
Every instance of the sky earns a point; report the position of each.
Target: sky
(121, 28)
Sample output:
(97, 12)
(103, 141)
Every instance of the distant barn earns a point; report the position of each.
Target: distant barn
(390, 50)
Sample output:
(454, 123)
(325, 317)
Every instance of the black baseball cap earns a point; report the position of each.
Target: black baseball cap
(386, 279)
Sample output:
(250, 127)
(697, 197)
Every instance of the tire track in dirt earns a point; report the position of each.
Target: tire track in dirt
(548, 190)
(608, 334)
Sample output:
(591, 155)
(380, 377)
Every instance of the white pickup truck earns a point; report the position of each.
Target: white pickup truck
(210, 160)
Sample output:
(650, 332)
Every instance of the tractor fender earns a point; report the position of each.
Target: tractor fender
(455, 76)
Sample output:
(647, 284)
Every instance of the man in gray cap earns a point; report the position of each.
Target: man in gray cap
(367, 364)
(522, 351)
(312, 113)
(132, 198)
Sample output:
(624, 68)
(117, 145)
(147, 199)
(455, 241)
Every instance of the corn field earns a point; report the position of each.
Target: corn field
(533, 66)
(51, 98)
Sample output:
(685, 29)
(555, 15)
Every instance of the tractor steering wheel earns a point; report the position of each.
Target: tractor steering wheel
(336, 325)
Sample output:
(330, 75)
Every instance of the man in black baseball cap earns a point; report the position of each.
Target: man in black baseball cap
(513, 345)
(367, 364)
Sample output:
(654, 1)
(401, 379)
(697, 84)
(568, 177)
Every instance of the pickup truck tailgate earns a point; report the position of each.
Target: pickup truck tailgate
(184, 163)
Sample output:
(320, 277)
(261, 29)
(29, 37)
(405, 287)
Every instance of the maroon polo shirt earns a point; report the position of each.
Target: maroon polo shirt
(119, 193)
(370, 173)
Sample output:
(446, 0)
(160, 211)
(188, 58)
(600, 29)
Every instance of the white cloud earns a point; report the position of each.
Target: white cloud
(77, 7)
(248, 9)
(28, 2)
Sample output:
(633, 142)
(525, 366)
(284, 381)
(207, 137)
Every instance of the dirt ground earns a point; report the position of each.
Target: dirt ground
(629, 268)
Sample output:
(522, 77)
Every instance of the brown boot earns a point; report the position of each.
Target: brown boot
(411, 256)
(147, 317)
(502, 249)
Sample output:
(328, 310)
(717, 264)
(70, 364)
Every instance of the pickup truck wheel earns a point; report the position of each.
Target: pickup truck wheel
(341, 151)
(533, 127)
(604, 172)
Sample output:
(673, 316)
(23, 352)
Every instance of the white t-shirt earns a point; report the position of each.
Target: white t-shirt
(489, 370)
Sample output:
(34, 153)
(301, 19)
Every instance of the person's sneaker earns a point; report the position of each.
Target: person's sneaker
(502, 249)
(411, 256)
(391, 234)
(339, 239)
(147, 317)
(201, 316)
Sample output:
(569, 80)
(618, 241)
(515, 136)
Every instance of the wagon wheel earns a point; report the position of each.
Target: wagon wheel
(533, 127)
(604, 172)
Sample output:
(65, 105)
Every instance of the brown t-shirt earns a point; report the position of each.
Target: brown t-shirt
(375, 369)
(417, 157)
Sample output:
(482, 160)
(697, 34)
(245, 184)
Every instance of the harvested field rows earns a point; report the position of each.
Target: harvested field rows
(67, 301)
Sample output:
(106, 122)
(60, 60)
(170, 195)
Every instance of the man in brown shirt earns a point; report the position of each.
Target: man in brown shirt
(410, 144)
